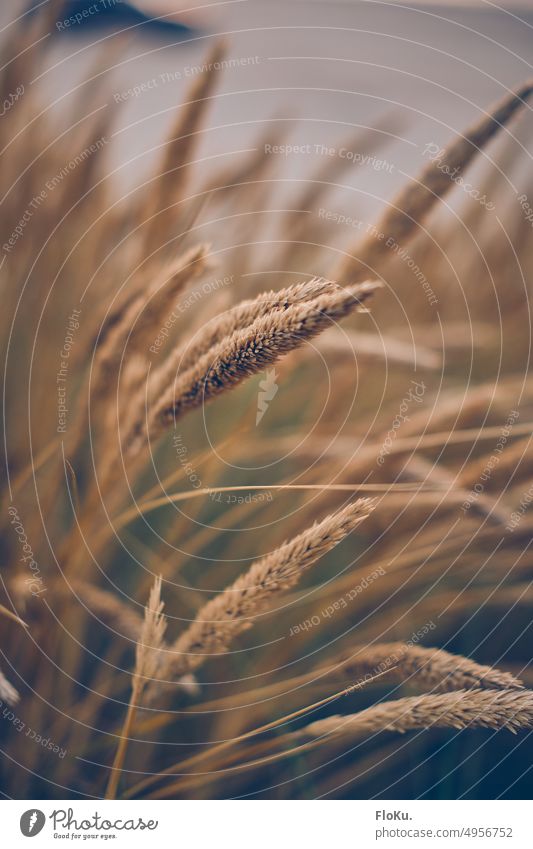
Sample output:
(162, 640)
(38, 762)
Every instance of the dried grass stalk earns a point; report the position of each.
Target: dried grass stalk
(245, 313)
(132, 325)
(233, 611)
(429, 667)
(141, 280)
(150, 641)
(495, 709)
(25, 46)
(246, 352)
(167, 188)
(8, 614)
(8, 693)
(147, 657)
(380, 347)
(249, 169)
(512, 466)
(110, 608)
(142, 318)
(413, 203)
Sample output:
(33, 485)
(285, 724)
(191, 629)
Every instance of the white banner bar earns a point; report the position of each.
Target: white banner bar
(268, 824)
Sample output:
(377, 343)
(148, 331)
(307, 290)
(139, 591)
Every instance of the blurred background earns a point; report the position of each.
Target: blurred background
(326, 67)
(349, 96)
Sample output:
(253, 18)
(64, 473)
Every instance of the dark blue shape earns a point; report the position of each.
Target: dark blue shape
(116, 16)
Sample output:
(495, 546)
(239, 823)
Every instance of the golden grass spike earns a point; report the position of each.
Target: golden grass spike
(510, 709)
(429, 667)
(401, 220)
(147, 658)
(244, 353)
(245, 313)
(231, 612)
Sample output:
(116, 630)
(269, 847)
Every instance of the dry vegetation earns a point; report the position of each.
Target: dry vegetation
(263, 676)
